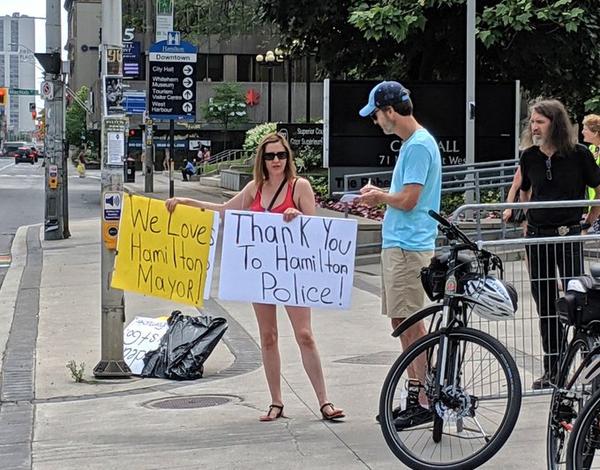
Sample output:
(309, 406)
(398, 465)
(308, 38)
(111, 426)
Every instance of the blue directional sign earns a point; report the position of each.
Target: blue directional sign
(172, 92)
(134, 102)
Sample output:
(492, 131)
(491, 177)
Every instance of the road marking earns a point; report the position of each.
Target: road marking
(21, 176)
(6, 166)
(5, 260)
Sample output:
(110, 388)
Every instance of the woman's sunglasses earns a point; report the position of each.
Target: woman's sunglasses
(549, 169)
(271, 155)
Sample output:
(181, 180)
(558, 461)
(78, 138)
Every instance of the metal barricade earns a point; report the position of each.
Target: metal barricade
(539, 269)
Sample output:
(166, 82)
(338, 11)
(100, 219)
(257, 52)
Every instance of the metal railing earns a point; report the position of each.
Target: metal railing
(539, 269)
(230, 155)
(477, 178)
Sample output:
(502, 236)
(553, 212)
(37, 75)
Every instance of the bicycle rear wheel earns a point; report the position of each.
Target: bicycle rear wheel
(566, 403)
(583, 450)
(477, 406)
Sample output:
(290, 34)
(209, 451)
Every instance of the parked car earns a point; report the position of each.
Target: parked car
(24, 154)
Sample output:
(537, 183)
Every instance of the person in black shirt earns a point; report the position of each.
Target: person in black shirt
(554, 168)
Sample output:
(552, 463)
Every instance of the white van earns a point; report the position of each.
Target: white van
(9, 147)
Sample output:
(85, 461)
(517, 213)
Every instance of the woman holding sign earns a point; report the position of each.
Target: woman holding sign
(276, 188)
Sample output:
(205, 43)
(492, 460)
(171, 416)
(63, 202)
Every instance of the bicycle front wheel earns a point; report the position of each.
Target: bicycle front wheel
(583, 451)
(566, 402)
(466, 419)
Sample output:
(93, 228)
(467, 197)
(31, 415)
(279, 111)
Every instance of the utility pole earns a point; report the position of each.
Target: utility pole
(148, 125)
(114, 130)
(56, 211)
(470, 91)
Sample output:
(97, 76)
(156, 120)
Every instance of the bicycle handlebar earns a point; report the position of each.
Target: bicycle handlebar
(452, 232)
(433, 214)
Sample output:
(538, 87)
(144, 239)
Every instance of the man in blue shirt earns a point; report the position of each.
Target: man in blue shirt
(408, 231)
(187, 170)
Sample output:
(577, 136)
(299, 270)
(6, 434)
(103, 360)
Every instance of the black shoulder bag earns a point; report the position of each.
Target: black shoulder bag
(268, 209)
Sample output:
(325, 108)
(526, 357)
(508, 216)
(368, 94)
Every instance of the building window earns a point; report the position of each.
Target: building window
(1, 34)
(210, 67)
(2, 69)
(13, 71)
(246, 68)
(14, 35)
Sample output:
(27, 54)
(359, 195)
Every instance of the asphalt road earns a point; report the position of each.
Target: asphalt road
(22, 200)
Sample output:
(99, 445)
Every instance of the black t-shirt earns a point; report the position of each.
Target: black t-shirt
(571, 174)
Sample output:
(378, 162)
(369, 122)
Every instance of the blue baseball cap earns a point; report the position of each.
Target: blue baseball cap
(384, 94)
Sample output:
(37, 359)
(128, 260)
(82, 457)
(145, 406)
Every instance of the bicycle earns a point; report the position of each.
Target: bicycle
(585, 438)
(578, 377)
(467, 378)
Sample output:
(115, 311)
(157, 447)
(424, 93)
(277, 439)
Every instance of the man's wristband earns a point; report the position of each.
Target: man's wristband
(585, 226)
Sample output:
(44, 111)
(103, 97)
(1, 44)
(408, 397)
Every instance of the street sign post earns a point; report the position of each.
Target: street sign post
(47, 90)
(172, 93)
(21, 91)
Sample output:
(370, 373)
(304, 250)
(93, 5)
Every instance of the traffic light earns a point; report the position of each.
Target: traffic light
(3, 96)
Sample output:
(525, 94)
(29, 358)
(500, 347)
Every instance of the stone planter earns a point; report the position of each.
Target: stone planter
(234, 180)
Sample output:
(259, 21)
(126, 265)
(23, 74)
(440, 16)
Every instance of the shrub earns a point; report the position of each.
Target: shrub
(256, 134)
(307, 159)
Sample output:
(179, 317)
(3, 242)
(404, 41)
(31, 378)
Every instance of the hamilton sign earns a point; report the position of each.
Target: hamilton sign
(173, 80)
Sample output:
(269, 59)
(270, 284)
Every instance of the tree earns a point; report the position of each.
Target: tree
(196, 19)
(227, 107)
(75, 119)
(550, 46)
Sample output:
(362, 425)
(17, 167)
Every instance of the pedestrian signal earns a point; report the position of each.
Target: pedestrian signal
(3, 96)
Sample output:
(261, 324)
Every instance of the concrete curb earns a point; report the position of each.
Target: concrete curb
(10, 287)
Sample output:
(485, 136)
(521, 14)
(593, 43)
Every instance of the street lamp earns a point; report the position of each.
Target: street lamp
(270, 59)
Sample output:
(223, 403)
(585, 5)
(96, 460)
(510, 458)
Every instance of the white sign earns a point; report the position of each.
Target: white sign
(112, 206)
(141, 336)
(173, 38)
(307, 262)
(116, 148)
(47, 90)
(172, 57)
(214, 236)
(164, 19)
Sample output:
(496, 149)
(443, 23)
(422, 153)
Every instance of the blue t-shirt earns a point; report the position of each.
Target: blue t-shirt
(419, 162)
(189, 167)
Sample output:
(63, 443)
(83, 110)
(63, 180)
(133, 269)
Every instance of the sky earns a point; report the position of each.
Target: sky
(36, 8)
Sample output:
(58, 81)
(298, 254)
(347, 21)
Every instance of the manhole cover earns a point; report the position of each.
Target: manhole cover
(198, 401)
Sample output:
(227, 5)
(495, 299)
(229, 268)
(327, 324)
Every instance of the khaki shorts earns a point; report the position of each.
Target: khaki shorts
(401, 291)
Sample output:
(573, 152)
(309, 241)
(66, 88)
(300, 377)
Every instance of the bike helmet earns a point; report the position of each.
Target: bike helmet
(491, 298)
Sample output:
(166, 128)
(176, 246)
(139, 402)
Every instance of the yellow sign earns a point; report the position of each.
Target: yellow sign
(160, 253)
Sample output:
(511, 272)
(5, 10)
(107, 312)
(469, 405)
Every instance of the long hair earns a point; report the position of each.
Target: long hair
(260, 167)
(562, 134)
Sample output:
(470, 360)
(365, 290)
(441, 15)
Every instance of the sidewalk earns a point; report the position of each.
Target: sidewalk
(113, 425)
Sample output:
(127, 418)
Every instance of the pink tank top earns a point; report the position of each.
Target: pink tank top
(288, 202)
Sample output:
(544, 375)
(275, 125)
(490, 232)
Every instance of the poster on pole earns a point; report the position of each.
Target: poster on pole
(306, 262)
(114, 130)
(113, 96)
(115, 148)
(161, 253)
